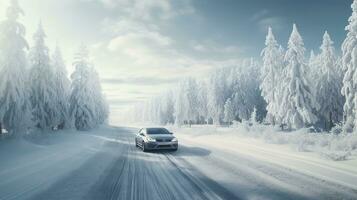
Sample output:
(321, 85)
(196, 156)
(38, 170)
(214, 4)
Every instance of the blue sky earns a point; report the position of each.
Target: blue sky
(143, 47)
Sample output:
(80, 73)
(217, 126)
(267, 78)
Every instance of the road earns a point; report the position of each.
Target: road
(109, 166)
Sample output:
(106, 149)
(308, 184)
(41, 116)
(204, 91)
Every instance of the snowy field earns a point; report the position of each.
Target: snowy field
(210, 164)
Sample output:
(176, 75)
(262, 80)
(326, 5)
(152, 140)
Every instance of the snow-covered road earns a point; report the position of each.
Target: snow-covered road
(105, 164)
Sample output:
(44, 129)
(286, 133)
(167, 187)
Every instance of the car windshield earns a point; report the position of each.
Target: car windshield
(157, 131)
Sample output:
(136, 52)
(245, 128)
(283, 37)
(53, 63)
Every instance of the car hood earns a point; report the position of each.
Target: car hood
(161, 136)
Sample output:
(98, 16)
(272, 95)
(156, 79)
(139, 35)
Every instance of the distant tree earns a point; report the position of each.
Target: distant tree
(349, 64)
(298, 103)
(168, 108)
(180, 106)
(202, 102)
(215, 97)
(228, 111)
(246, 93)
(253, 117)
(62, 87)
(41, 81)
(186, 107)
(14, 105)
(328, 90)
(271, 76)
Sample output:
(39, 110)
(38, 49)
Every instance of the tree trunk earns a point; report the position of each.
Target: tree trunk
(331, 123)
(0, 128)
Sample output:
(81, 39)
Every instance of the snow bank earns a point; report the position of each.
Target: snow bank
(328, 145)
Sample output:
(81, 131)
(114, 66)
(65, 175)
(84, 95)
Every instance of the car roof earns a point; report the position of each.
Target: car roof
(155, 128)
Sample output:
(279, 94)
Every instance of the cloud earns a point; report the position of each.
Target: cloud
(213, 47)
(140, 56)
(133, 40)
(150, 9)
(276, 23)
(265, 19)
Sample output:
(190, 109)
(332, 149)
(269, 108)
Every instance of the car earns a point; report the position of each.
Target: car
(156, 139)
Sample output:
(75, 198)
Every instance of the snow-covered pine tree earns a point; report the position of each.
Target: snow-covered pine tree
(167, 108)
(100, 102)
(202, 102)
(82, 105)
(328, 90)
(180, 105)
(349, 64)
(14, 105)
(41, 81)
(186, 108)
(314, 68)
(228, 111)
(191, 90)
(246, 93)
(271, 76)
(62, 90)
(215, 97)
(253, 117)
(298, 103)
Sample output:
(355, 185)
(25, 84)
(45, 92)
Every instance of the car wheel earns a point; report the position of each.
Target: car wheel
(174, 149)
(143, 147)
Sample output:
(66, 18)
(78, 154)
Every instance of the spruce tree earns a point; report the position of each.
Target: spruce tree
(271, 76)
(14, 105)
(349, 64)
(62, 90)
(329, 85)
(42, 85)
(298, 103)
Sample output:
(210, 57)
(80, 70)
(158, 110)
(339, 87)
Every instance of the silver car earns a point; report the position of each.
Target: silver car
(155, 139)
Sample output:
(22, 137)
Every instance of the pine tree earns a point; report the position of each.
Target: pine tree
(246, 93)
(298, 102)
(228, 111)
(41, 80)
(82, 106)
(101, 108)
(349, 64)
(271, 75)
(215, 97)
(314, 69)
(186, 107)
(62, 90)
(329, 85)
(180, 105)
(202, 102)
(253, 117)
(14, 105)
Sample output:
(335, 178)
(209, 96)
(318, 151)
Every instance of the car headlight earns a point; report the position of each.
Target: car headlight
(174, 140)
(149, 139)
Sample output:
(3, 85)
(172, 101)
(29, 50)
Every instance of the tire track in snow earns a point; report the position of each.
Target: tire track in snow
(136, 175)
(202, 183)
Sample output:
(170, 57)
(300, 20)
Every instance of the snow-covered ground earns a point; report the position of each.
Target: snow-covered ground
(282, 167)
(210, 164)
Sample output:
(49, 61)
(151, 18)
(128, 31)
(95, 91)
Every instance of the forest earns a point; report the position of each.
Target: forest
(283, 87)
(35, 90)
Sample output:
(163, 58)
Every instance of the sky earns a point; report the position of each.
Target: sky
(144, 47)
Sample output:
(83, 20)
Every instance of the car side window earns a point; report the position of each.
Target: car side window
(142, 132)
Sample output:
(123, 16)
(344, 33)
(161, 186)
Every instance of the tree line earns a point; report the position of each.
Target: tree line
(282, 88)
(35, 90)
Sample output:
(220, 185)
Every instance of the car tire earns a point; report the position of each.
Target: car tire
(143, 147)
(174, 149)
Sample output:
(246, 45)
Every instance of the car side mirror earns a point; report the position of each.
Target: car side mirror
(171, 133)
(142, 134)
